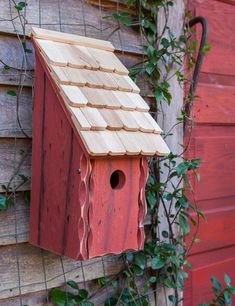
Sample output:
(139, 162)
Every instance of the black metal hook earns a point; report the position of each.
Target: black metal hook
(199, 61)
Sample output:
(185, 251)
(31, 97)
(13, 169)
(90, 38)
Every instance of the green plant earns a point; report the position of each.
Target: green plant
(223, 296)
(66, 298)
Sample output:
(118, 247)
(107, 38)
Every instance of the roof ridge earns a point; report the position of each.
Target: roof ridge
(72, 39)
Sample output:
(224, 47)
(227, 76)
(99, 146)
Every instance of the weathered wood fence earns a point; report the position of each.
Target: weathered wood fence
(27, 273)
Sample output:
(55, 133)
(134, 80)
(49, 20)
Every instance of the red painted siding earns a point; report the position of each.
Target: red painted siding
(213, 140)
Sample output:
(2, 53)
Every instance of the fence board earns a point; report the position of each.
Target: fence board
(32, 277)
(77, 17)
(9, 127)
(15, 155)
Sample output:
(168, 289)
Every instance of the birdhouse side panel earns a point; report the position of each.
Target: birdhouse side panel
(117, 207)
(37, 151)
(59, 212)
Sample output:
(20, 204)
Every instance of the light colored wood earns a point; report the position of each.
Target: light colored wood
(32, 277)
(101, 98)
(128, 140)
(94, 118)
(94, 143)
(144, 124)
(112, 119)
(109, 82)
(131, 84)
(122, 82)
(129, 123)
(108, 61)
(152, 144)
(113, 143)
(71, 39)
(8, 125)
(86, 57)
(79, 118)
(15, 220)
(53, 52)
(75, 76)
(139, 102)
(77, 57)
(153, 122)
(73, 95)
(59, 75)
(93, 78)
(124, 100)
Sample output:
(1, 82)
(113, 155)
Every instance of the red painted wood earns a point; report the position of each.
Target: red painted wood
(221, 19)
(213, 140)
(114, 213)
(74, 210)
(215, 104)
(37, 151)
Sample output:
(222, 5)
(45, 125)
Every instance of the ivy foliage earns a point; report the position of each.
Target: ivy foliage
(163, 262)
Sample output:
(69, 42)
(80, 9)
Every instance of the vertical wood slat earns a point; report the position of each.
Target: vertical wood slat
(37, 152)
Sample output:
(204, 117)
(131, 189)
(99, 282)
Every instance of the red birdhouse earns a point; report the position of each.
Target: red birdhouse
(92, 134)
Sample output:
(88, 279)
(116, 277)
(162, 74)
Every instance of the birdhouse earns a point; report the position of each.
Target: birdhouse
(92, 134)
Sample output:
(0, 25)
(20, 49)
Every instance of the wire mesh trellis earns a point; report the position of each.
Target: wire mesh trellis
(34, 13)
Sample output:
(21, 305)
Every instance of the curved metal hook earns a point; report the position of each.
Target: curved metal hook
(199, 60)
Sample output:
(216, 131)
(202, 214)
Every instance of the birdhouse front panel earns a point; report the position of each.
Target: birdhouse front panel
(92, 134)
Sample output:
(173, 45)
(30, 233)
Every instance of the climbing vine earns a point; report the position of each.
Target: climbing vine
(163, 264)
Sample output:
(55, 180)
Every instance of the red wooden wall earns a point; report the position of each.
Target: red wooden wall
(214, 141)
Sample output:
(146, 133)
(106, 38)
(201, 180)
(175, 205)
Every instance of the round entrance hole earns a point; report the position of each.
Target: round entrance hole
(117, 179)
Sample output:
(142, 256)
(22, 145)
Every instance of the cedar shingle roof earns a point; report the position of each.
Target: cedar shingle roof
(105, 105)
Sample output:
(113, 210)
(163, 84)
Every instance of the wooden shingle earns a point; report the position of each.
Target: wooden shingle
(104, 103)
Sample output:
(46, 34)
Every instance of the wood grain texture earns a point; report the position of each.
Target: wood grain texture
(220, 36)
(114, 215)
(56, 185)
(75, 17)
(9, 126)
(213, 141)
(215, 104)
(31, 269)
(15, 154)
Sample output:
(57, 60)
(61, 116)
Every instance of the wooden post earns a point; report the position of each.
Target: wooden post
(168, 117)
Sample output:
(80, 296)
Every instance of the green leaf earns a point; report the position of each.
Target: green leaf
(227, 280)
(11, 93)
(129, 256)
(175, 260)
(83, 293)
(216, 283)
(165, 234)
(150, 51)
(20, 5)
(140, 260)
(151, 199)
(172, 298)
(183, 224)
(72, 284)
(227, 297)
(60, 297)
(103, 281)
(182, 168)
(111, 301)
(157, 263)
(153, 279)
(123, 18)
(137, 270)
(3, 202)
